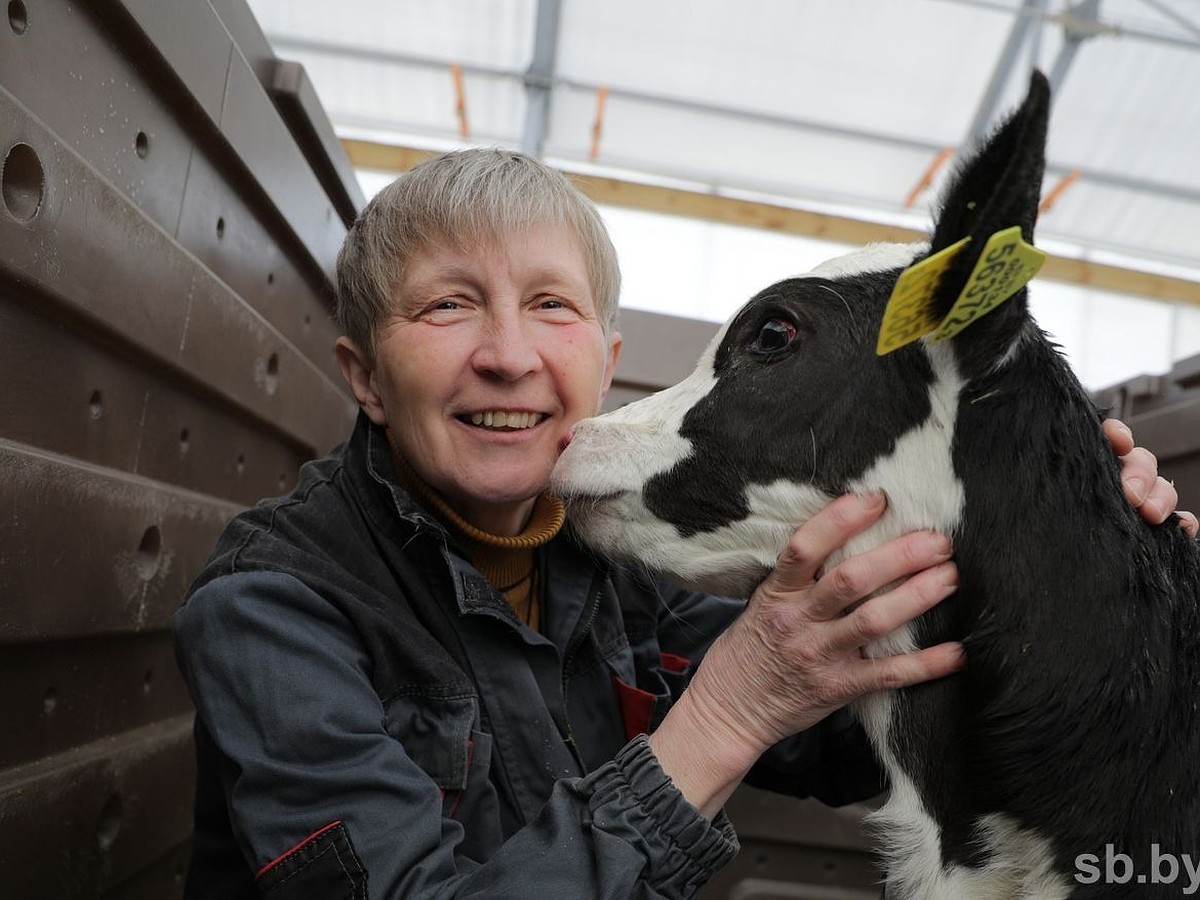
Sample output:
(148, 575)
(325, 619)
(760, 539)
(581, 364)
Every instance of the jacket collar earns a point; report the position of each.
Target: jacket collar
(369, 452)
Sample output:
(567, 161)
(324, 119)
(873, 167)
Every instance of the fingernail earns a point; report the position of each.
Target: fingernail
(1137, 487)
(873, 499)
(941, 544)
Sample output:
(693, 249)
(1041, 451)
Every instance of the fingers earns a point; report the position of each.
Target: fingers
(795, 654)
(1189, 524)
(882, 615)
(1159, 501)
(862, 575)
(1119, 436)
(1139, 474)
(1151, 495)
(1156, 503)
(824, 533)
(893, 672)
(1162, 501)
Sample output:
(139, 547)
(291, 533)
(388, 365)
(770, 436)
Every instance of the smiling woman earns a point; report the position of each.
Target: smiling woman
(491, 356)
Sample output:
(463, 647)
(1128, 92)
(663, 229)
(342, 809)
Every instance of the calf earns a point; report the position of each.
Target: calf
(1064, 761)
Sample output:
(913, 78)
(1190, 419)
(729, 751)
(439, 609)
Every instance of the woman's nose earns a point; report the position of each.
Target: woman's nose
(509, 348)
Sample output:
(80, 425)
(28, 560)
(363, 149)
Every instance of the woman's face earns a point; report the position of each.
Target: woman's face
(491, 356)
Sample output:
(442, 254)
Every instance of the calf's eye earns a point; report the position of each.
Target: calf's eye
(774, 335)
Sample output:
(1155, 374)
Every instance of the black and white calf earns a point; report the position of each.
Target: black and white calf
(1074, 731)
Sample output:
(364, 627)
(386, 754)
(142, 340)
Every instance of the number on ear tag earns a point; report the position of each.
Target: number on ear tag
(1005, 266)
(908, 315)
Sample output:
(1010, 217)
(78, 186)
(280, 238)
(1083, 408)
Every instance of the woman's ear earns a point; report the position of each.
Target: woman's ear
(610, 368)
(359, 372)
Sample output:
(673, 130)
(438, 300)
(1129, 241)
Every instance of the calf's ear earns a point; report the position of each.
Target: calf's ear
(984, 232)
(1000, 184)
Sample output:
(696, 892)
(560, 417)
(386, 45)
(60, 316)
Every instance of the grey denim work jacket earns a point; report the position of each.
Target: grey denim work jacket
(373, 720)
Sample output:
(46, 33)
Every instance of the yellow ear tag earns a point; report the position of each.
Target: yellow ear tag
(1004, 267)
(908, 315)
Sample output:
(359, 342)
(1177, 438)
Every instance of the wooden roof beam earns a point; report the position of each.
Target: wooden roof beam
(800, 222)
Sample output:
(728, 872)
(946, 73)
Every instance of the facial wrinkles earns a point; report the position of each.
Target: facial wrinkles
(500, 286)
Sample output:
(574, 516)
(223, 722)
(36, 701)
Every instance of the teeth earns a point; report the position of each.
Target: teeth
(503, 419)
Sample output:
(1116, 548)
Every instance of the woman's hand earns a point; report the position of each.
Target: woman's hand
(1151, 495)
(796, 652)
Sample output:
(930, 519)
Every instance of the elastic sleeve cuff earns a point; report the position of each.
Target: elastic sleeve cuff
(641, 797)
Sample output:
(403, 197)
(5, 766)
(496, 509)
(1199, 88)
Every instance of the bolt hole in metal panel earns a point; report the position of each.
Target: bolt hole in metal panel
(18, 17)
(23, 182)
(167, 238)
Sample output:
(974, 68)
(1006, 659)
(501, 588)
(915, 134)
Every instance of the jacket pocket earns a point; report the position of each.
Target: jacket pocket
(441, 736)
(476, 794)
(436, 734)
(643, 706)
(324, 865)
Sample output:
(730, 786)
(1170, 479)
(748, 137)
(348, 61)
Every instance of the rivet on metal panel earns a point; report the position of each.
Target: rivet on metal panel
(96, 404)
(18, 18)
(307, 320)
(184, 441)
(272, 383)
(270, 278)
(22, 181)
(49, 701)
(220, 227)
(110, 822)
(147, 681)
(149, 553)
(241, 463)
(141, 145)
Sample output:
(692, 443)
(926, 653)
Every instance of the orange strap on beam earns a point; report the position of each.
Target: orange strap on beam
(1057, 191)
(460, 100)
(930, 173)
(598, 124)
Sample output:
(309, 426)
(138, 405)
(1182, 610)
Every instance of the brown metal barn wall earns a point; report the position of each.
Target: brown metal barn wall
(172, 204)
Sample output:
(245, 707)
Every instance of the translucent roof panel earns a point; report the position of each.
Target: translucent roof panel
(825, 62)
(686, 144)
(418, 101)
(493, 33)
(848, 106)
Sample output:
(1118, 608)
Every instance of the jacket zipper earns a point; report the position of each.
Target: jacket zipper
(583, 629)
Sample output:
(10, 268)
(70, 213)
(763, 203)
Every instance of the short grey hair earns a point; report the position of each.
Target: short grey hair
(463, 197)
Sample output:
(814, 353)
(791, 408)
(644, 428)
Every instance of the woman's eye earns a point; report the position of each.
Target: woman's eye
(775, 334)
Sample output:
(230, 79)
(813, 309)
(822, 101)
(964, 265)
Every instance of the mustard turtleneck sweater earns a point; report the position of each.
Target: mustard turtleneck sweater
(508, 563)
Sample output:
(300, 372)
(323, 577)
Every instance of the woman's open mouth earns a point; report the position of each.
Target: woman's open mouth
(503, 420)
